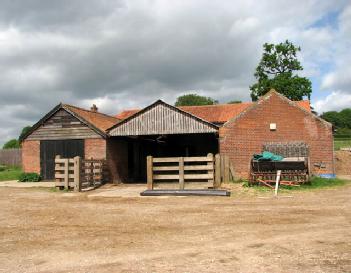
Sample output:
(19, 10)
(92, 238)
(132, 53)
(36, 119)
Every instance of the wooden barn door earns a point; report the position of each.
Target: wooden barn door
(50, 148)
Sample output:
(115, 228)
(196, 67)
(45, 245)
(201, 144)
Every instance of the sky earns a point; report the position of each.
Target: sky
(122, 54)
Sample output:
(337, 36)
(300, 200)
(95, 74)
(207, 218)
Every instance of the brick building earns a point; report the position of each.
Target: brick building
(238, 130)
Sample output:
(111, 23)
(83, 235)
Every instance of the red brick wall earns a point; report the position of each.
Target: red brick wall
(243, 137)
(31, 156)
(95, 148)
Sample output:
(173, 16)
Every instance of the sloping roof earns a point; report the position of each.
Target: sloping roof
(218, 113)
(301, 105)
(162, 118)
(98, 122)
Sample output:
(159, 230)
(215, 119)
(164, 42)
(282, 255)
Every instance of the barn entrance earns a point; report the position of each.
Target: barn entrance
(50, 148)
(185, 145)
(161, 130)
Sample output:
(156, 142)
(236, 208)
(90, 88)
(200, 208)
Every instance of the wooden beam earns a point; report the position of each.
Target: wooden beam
(226, 168)
(217, 171)
(181, 173)
(66, 173)
(77, 174)
(149, 162)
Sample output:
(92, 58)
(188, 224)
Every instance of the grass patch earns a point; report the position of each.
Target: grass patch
(318, 183)
(315, 183)
(10, 173)
(341, 143)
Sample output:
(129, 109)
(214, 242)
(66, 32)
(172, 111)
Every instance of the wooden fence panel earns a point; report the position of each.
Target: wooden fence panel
(79, 173)
(11, 157)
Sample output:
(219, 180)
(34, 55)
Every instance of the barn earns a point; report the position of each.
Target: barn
(162, 130)
(68, 131)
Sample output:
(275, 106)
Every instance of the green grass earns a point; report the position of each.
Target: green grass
(10, 173)
(341, 143)
(315, 183)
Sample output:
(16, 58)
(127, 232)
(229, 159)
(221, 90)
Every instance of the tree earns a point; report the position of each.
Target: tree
(25, 130)
(276, 70)
(194, 99)
(332, 117)
(11, 144)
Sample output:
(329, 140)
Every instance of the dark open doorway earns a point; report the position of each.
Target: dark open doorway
(166, 146)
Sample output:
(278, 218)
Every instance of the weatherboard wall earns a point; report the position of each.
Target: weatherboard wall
(62, 125)
(162, 119)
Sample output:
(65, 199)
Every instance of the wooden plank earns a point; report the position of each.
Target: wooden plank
(198, 167)
(198, 176)
(185, 193)
(149, 162)
(181, 173)
(165, 168)
(226, 168)
(186, 168)
(210, 182)
(165, 176)
(63, 175)
(64, 160)
(77, 175)
(66, 174)
(217, 171)
(165, 159)
(198, 159)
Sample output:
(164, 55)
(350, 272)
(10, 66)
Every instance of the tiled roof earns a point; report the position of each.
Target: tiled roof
(218, 113)
(97, 119)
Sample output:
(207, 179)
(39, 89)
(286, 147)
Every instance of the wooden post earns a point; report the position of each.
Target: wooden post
(66, 174)
(277, 182)
(77, 176)
(217, 171)
(210, 182)
(149, 170)
(181, 173)
(57, 165)
(226, 168)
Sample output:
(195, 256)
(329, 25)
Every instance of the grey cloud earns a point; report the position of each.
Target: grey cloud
(125, 54)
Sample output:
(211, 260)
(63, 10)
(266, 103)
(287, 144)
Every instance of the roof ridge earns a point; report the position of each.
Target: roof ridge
(86, 110)
(214, 105)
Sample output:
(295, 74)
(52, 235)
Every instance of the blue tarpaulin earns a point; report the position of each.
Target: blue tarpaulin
(267, 156)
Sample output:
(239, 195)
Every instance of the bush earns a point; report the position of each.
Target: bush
(2, 168)
(29, 177)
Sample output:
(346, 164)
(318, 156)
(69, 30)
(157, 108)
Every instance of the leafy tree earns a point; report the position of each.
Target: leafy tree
(234, 101)
(332, 117)
(194, 99)
(25, 130)
(340, 120)
(11, 144)
(276, 70)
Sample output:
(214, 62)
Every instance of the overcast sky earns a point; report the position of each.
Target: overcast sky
(126, 54)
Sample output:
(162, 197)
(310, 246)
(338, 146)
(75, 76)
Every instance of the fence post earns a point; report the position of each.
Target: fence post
(149, 170)
(56, 166)
(77, 176)
(217, 171)
(210, 182)
(66, 173)
(181, 173)
(226, 168)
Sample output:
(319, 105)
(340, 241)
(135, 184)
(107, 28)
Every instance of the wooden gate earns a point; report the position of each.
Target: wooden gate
(212, 169)
(80, 174)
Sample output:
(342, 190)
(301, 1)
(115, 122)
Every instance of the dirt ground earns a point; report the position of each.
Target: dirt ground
(44, 231)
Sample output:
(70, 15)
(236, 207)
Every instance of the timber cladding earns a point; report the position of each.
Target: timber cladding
(246, 135)
(162, 118)
(62, 125)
